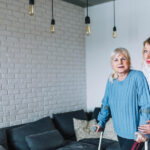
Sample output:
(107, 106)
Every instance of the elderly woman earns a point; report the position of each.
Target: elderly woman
(145, 129)
(127, 97)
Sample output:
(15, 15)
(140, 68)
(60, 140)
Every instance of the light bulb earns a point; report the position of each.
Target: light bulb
(52, 28)
(114, 34)
(87, 25)
(87, 29)
(31, 9)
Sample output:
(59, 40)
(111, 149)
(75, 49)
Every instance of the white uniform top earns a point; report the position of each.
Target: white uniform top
(146, 71)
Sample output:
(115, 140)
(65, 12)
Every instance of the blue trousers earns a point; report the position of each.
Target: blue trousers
(129, 144)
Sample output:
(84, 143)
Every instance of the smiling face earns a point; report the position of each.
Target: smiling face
(146, 53)
(120, 63)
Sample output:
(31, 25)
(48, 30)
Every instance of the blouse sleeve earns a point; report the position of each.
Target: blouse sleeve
(104, 114)
(143, 99)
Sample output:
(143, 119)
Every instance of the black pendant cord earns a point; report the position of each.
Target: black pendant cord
(87, 6)
(53, 20)
(87, 18)
(114, 15)
(52, 11)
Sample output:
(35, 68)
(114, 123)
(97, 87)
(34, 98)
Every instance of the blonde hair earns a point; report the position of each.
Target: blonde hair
(124, 51)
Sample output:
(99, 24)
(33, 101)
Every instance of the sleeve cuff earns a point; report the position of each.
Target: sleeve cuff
(100, 123)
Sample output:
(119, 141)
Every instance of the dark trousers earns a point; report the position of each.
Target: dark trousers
(129, 144)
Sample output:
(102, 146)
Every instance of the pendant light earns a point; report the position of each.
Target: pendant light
(87, 22)
(114, 28)
(52, 27)
(31, 7)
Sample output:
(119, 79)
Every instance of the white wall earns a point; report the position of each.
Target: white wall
(133, 27)
(40, 73)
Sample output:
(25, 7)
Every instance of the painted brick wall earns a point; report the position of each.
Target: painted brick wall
(40, 73)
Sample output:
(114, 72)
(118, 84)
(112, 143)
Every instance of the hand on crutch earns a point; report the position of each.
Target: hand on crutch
(97, 129)
(141, 138)
(145, 129)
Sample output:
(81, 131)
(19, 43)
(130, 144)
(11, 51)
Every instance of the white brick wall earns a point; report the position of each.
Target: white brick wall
(40, 73)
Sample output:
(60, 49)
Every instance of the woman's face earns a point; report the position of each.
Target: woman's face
(120, 63)
(146, 54)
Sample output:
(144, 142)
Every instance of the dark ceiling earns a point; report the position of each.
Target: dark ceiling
(82, 3)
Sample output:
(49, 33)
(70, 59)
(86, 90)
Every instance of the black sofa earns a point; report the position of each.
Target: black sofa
(52, 134)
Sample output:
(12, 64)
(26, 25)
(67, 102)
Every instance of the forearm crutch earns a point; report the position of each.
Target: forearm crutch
(146, 145)
(100, 140)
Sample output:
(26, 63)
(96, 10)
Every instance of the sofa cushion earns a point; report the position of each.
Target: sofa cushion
(48, 140)
(2, 148)
(89, 115)
(114, 146)
(93, 141)
(96, 112)
(78, 146)
(64, 122)
(106, 144)
(3, 138)
(109, 132)
(17, 135)
(84, 129)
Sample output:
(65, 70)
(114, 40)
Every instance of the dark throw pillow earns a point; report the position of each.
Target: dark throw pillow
(64, 122)
(3, 138)
(48, 140)
(17, 135)
(96, 112)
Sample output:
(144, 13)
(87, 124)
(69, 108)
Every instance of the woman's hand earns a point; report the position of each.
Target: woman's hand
(98, 128)
(140, 137)
(145, 128)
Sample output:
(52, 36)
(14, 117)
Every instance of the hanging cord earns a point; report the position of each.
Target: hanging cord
(52, 11)
(87, 7)
(114, 15)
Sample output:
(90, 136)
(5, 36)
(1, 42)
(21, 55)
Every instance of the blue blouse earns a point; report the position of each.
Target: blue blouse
(129, 103)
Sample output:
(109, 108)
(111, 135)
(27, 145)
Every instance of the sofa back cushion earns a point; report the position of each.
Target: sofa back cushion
(84, 129)
(109, 132)
(48, 140)
(17, 135)
(95, 113)
(3, 138)
(2, 148)
(64, 122)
